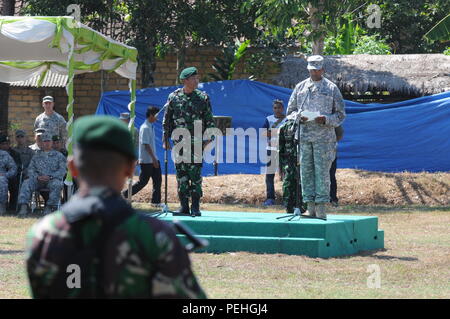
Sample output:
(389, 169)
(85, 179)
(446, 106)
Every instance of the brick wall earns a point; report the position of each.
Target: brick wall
(26, 103)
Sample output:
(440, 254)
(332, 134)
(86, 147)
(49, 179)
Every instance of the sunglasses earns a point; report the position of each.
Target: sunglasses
(20, 136)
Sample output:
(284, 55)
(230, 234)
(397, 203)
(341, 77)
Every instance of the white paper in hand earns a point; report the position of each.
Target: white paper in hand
(310, 115)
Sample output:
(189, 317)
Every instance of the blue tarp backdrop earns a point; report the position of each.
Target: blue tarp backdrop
(412, 135)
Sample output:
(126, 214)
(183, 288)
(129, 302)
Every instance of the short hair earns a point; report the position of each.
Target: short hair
(94, 164)
(277, 101)
(152, 110)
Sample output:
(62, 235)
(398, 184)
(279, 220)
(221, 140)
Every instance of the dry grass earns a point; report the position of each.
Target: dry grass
(414, 263)
(355, 187)
(413, 210)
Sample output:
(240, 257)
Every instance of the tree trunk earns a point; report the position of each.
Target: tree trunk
(315, 15)
(181, 57)
(8, 7)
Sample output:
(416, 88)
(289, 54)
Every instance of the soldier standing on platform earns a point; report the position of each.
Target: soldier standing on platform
(317, 135)
(185, 106)
(47, 169)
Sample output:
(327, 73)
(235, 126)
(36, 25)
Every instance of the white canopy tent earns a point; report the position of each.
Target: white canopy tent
(30, 46)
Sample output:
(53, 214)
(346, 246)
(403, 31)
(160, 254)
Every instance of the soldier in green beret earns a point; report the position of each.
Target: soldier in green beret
(97, 246)
(187, 107)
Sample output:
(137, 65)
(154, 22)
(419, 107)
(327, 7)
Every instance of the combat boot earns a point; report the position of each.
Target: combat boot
(2, 209)
(184, 209)
(320, 211)
(195, 208)
(23, 210)
(311, 210)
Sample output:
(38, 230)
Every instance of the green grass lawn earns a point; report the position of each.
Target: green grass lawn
(414, 264)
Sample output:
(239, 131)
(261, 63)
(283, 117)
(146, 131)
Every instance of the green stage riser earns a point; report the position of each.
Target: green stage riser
(262, 233)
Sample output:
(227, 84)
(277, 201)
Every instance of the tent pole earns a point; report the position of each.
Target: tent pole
(131, 107)
(69, 90)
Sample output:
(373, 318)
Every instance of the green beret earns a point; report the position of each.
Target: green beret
(188, 72)
(104, 132)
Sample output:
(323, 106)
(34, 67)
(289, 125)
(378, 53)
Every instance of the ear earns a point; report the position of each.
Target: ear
(71, 166)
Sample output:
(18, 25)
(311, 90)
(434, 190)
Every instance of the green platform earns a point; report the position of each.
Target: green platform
(263, 233)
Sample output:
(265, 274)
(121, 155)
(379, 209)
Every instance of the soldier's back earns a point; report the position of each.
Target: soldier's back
(128, 254)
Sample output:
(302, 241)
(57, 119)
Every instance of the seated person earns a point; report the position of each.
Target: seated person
(13, 181)
(24, 151)
(47, 169)
(37, 146)
(8, 170)
(57, 146)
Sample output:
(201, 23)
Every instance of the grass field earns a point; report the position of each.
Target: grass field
(414, 264)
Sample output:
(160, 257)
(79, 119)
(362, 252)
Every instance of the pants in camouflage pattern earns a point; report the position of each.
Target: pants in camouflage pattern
(189, 179)
(3, 189)
(315, 163)
(31, 185)
(290, 187)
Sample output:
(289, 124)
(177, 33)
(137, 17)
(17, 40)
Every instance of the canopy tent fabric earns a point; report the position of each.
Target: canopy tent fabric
(31, 46)
(411, 135)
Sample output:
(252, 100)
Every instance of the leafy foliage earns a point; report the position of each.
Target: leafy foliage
(440, 31)
(225, 66)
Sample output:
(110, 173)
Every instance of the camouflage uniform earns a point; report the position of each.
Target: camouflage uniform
(318, 141)
(25, 153)
(13, 186)
(182, 110)
(35, 148)
(143, 257)
(51, 163)
(288, 162)
(9, 169)
(53, 125)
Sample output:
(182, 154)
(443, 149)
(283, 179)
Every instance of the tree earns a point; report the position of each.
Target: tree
(440, 31)
(301, 19)
(404, 23)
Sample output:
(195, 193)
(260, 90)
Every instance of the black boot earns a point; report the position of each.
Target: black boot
(184, 209)
(195, 208)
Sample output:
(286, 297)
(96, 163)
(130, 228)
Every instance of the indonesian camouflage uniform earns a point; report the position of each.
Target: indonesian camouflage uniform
(182, 111)
(53, 125)
(143, 258)
(317, 141)
(51, 163)
(287, 145)
(8, 170)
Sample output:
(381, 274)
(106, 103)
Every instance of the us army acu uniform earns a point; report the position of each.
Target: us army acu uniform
(182, 111)
(120, 253)
(53, 124)
(51, 163)
(287, 145)
(8, 170)
(318, 141)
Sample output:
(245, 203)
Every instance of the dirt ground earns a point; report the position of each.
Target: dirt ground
(355, 187)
